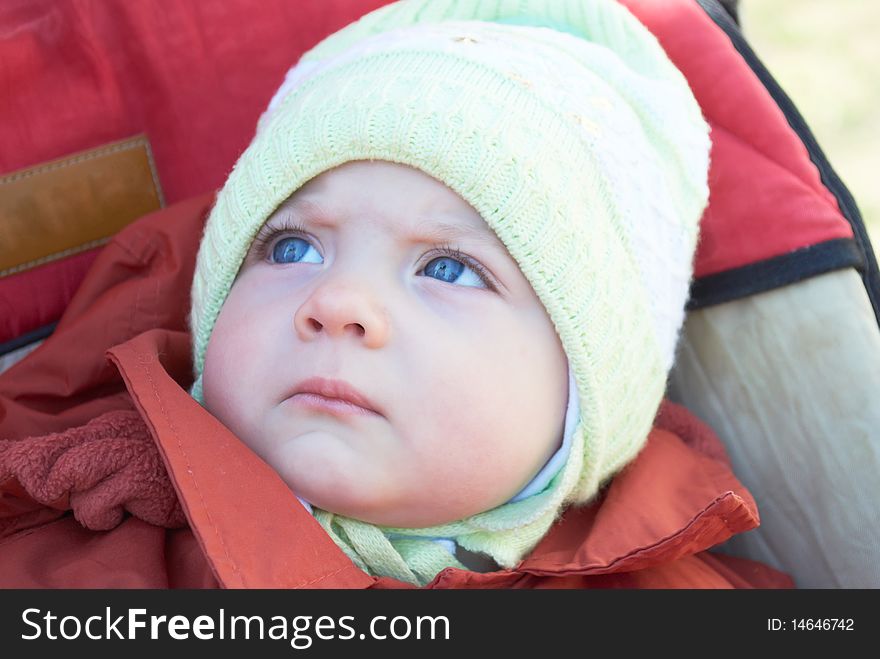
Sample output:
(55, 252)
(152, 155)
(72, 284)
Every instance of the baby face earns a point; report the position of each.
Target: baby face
(382, 280)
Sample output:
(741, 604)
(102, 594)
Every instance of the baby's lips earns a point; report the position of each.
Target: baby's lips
(338, 389)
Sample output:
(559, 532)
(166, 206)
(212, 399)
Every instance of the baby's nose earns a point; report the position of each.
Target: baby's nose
(343, 308)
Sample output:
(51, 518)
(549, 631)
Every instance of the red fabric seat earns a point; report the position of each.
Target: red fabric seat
(195, 76)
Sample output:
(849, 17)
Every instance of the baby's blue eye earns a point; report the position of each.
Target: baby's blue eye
(449, 270)
(294, 250)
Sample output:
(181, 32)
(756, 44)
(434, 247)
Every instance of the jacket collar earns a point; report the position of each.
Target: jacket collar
(252, 529)
(677, 498)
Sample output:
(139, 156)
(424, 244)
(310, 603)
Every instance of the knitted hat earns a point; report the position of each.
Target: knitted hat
(565, 125)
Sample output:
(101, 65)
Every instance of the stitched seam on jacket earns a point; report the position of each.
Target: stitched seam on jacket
(189, 470)
(306, 584)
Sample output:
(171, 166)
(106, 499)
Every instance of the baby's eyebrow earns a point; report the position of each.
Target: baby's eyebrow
(433, 232)
(426, 231)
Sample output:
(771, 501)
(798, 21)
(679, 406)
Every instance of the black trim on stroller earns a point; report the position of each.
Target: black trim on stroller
(790, 268)
(775, 272)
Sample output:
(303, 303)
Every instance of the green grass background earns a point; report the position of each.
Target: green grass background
(826, 56)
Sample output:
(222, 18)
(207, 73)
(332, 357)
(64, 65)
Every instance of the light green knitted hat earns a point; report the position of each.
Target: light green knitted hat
(565, 125)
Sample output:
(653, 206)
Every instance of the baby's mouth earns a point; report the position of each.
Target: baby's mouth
(334, 406)
(333, 396)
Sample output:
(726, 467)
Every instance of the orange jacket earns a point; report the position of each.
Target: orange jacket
(241, 526)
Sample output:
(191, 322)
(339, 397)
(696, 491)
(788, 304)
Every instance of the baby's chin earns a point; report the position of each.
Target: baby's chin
(351, 478)
(382, 505)
(379, 504)
(368, 496)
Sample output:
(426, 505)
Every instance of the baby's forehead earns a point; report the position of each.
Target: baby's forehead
(397, 199)
(432, 226)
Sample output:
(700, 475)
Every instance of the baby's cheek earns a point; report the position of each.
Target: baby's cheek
(471, 418)
(216, 388)
(232, 402)
(527, 400)
(225, 381)
(235, 343)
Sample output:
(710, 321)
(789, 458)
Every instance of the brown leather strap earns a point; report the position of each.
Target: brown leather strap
(62, 207)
